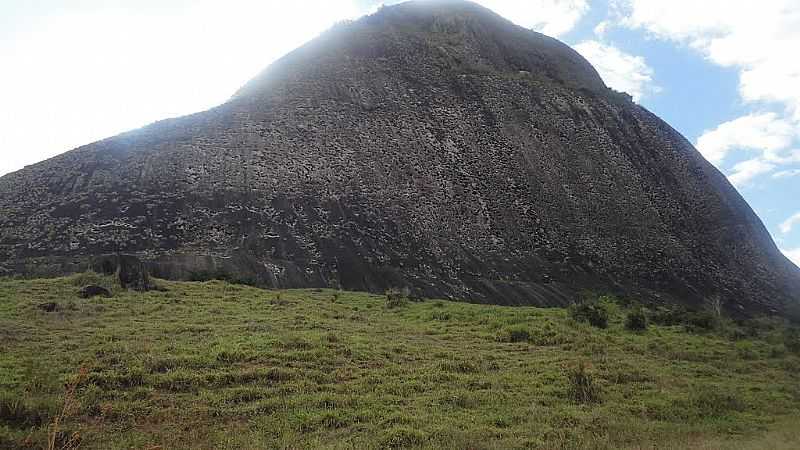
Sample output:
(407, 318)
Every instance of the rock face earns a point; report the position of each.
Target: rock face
(94, 291)
(431, 145)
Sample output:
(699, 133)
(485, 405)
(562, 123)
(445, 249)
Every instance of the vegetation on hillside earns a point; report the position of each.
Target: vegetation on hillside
(216, 365)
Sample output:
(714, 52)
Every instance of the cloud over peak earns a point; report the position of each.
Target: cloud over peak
(763, 132)
(621, 71)
(759, 40)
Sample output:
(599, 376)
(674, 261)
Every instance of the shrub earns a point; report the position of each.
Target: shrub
(514, 334)
(92, 278)
(694, 320)
(715, 402)
(636, 320)
(230, 355)
(791, 339)
(16, 411)
(777, 351)
(403, 437)
(592, 312)
(669, 316)
(440, 316)
(702, 320)
(396, 298)
(746, 350)
(582, 387)
(459, 366)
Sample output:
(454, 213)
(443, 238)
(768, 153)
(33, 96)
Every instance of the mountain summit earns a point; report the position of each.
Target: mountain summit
(431, 145)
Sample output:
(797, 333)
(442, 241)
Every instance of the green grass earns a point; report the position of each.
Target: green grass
(216, 365)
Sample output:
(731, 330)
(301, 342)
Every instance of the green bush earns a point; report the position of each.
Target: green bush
(22, 413)
(746, 350)
(702, 320)
(791, 339)
(669, 316)
(403, 437)
(440, 316)
(592, 312)
(715, 402)
(693, 320)
(514, 334)
(396, 298)
(90, 278)
(582, 387)
(636, 320)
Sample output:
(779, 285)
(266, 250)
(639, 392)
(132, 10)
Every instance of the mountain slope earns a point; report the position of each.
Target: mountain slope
(432, 145)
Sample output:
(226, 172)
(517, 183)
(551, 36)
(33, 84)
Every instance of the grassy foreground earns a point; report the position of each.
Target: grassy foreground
(216, 365)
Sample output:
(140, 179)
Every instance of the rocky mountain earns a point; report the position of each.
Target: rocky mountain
(431, 145)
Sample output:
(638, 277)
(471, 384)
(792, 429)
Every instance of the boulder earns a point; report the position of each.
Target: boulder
(48, 307)
(94, 291)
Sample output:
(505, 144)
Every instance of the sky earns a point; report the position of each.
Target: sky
(725, 73)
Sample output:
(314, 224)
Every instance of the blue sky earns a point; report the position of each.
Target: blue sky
(722, 72)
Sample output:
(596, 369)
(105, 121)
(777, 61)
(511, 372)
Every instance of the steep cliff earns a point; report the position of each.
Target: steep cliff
(432, 145)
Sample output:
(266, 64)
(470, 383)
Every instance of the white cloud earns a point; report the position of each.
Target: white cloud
(759, 39)
(765, 132)
(793, 255)
(788, 224)
(786, 173)
(551, 17)
(621, 71)
(601, 29)
(767, 135)
(745, 171)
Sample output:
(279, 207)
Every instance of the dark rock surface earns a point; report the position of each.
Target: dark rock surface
(94, 291)
(431, 145)
(48, 307)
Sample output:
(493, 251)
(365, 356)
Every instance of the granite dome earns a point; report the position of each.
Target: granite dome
(431, 145)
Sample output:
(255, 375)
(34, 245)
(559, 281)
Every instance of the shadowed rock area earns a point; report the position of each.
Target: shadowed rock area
(431, 145)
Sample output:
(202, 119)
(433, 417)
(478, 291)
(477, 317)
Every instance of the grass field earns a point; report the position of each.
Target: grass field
(216, 365)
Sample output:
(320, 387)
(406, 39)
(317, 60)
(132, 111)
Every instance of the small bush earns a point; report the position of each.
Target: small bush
(636, 320)
(16, 412)
(669, 316)
(459, 366)
(403, 437)
(693, 320)
(702, 320)
(714, 402)
(333, 420)
(92, 278)
(593, 312)
(582, 387)
(791, 339)
(513, 334)
(396, 298)
(746, 350)
(440, 316)
(233, 355)
(278, 375)
(777, 351)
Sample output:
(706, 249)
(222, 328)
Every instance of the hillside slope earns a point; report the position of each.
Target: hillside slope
(215, 365)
